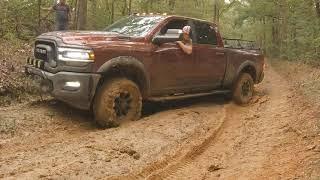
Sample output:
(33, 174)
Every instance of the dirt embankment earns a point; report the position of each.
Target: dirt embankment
(15, 87)
(303, 78)
(277, 137)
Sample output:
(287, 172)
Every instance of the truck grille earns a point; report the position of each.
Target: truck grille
(41, 53)
(45, 50)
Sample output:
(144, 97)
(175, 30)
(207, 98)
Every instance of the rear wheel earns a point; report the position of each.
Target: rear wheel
(116, 102)
(243, 89)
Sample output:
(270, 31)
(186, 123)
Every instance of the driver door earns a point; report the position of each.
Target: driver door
(172, 69)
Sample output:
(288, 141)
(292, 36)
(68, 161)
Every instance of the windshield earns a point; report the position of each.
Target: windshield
(135, 25)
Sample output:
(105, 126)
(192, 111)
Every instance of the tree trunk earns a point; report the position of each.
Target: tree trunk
(93, 14)
(130, 7)
(82, 15)
(317, 2)
(215, 13)
(125, 8)
(112, 11)
(39, 14)
(265, 50)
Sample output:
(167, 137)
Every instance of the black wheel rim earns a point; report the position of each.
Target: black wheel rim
(246, 89)
(122, 104)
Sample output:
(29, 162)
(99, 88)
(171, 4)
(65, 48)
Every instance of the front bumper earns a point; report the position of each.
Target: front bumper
(75, 89)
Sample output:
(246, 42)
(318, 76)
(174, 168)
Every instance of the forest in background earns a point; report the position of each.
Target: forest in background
(286, 29)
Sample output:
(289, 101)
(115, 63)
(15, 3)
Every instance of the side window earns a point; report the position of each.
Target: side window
(174, 24)
(206, 34)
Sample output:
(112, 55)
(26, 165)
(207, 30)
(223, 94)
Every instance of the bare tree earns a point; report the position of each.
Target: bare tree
(130, 7)
(216, 12)
(81, 14)
(112, 11)
(39, 13)
(317, 2)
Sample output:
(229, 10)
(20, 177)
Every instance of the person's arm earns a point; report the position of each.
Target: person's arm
(186, 48)
(50, 9)
(46, 9)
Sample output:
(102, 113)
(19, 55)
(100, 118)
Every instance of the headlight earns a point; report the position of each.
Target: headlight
(71, 54)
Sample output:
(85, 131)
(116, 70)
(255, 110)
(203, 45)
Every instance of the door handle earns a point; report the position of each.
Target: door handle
(220, 53)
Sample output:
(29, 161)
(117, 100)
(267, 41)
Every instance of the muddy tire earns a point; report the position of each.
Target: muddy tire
(243, 89)
(117, 101)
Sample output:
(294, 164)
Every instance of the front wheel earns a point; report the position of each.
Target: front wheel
(116, 102)
(243, 89)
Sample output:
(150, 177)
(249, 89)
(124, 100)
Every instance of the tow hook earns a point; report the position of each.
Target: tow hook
(46, 86)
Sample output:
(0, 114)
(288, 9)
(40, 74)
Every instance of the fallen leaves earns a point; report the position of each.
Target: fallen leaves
(13, 81)
(8, 76)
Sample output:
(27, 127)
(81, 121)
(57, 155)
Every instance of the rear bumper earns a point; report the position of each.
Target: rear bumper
(76, 89)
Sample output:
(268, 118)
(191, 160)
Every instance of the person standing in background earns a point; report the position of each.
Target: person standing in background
(63, 15)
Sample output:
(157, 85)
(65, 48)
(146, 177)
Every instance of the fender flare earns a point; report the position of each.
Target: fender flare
(128, 63)
(244, 65)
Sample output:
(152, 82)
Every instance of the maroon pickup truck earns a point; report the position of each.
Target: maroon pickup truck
(111, 72)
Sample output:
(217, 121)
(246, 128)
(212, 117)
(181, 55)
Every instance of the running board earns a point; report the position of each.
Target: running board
(185, 96)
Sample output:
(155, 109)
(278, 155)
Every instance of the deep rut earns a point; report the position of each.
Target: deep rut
(177, 164)
(171, 164)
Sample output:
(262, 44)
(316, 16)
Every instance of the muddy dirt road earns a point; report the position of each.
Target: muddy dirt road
(276, 137)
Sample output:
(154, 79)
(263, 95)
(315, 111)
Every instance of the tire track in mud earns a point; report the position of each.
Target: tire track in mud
(176, 165)
(172, 164)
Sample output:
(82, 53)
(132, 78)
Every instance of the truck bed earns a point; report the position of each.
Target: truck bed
(240, 44)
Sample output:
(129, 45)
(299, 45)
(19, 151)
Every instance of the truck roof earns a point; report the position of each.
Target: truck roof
(166, 16)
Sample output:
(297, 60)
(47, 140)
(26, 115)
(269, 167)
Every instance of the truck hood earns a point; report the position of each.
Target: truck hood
(88, 37)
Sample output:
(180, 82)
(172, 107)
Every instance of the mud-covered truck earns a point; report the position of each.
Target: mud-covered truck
(111, 72)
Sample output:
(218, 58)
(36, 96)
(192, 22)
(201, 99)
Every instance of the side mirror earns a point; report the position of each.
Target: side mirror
(172, 35)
